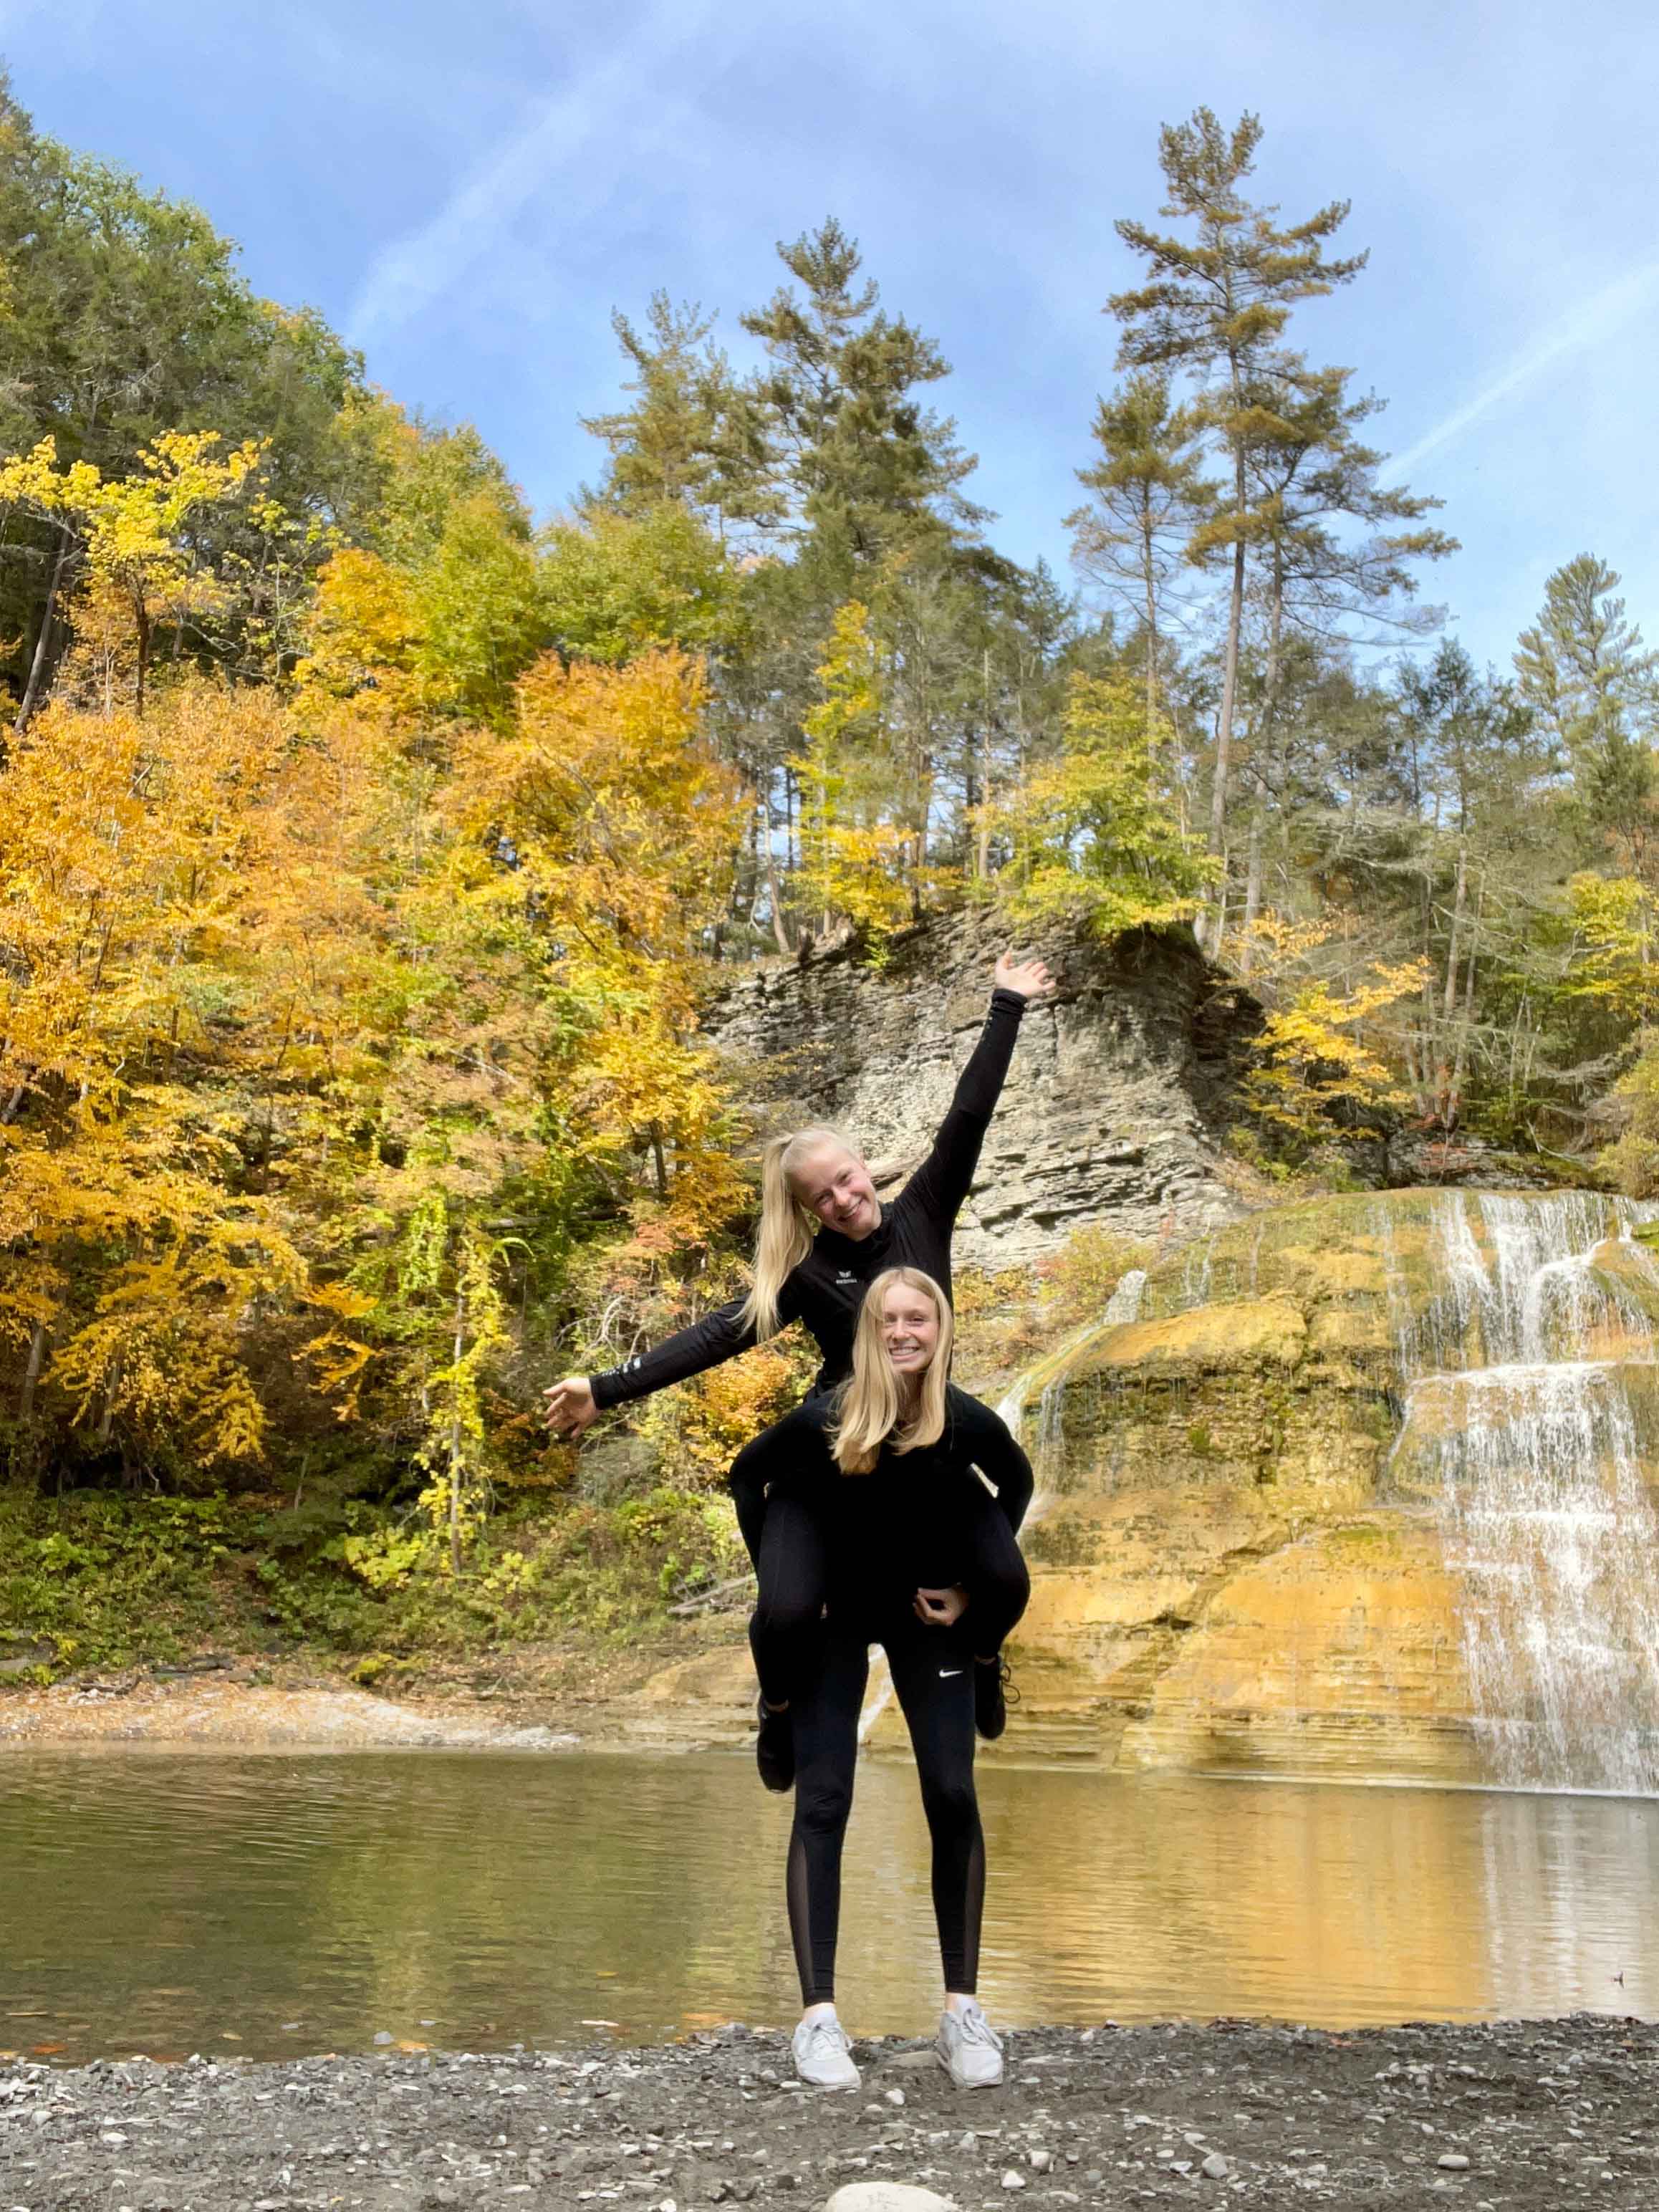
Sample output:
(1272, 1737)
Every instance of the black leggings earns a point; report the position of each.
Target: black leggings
(933, 1671)
(792, 1570)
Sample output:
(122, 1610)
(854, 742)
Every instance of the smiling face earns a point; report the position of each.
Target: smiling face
(909, 1329)
(834, 1184)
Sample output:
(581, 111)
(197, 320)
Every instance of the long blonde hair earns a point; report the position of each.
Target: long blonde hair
(786, 1227)
(867, 1407)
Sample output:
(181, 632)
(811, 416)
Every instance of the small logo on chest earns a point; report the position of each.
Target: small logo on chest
(846, 1276)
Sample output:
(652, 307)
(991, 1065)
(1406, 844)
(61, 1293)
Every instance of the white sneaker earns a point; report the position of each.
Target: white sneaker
(823, 2053)
(970, 2049)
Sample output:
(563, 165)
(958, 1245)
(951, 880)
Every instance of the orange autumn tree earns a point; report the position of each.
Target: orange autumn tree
(603, 821)
(138, 1252)
(535, 1016)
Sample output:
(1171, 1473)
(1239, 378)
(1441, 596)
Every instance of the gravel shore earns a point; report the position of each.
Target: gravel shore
(533, 1700)
(1537, 2115)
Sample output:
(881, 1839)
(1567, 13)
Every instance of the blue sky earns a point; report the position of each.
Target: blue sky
(467, 192)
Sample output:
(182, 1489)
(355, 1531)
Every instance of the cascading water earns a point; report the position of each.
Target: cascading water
(1046, 1382)
(1524, 1373)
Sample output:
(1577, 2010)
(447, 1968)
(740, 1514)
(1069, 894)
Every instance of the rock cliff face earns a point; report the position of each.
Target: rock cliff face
(1225, 1575)
(1108, 1115)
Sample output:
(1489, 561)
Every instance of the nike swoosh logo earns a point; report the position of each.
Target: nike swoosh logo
(949, 1673)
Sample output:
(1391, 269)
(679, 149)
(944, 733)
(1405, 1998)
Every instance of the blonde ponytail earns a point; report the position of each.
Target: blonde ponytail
(786, 1227)
(867, 1407)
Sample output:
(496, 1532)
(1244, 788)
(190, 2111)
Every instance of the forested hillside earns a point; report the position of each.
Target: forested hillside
(368, 843)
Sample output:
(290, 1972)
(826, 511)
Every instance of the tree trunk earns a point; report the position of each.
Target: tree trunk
(105, 1428)
(780, 925)
(42, 643)
(1220, 916)
(142, 625)
(983, 848)
(1456, 930)
(1252, 888)
(1264, 764)
(1149, 577)
(39, 1339)
(1224, 734)
(455, 1437)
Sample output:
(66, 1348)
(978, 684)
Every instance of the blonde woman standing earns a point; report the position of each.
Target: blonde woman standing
(891, 1470)
(824, 1235)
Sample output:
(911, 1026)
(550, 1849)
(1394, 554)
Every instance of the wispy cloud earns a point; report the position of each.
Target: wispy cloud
(584, 118)
(1591, 321)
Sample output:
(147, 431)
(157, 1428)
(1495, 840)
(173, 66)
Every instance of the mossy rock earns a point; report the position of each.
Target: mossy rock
(1249, 1337)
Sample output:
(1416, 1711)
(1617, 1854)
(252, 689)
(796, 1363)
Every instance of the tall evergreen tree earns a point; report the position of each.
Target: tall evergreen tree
(694, 433)
(1149, 492)
(1584, 669)
(1213, 306)
(870, 467)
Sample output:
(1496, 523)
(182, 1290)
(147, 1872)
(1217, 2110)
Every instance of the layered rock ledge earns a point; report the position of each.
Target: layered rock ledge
(1110, 1111)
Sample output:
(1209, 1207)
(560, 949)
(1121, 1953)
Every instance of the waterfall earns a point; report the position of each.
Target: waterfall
(1048, 1380)
(1196, 1272)
(1524, 1372)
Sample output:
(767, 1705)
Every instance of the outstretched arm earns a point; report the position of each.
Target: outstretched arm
(720, 1335)
(941, 1183)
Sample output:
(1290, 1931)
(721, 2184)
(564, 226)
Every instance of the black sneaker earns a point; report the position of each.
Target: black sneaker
(775, 1747)
(994, 1693)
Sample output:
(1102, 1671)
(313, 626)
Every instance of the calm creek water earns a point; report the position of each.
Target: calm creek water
(274, 1904)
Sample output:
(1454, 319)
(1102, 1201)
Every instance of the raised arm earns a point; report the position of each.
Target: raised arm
(941, 1183)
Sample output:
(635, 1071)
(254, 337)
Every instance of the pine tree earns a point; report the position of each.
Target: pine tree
(694, 433)
(1583, 668)
(1149, 492)
(869, 467)
(1214, 308)
(1315, 580)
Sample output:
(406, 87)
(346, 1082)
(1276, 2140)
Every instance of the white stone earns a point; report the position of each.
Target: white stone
(886, 2197)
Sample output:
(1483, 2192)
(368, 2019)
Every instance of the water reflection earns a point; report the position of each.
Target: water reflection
(268, 1905)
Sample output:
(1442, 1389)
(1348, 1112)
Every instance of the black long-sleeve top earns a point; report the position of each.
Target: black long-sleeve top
(826, 1289)
(906, 1525)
